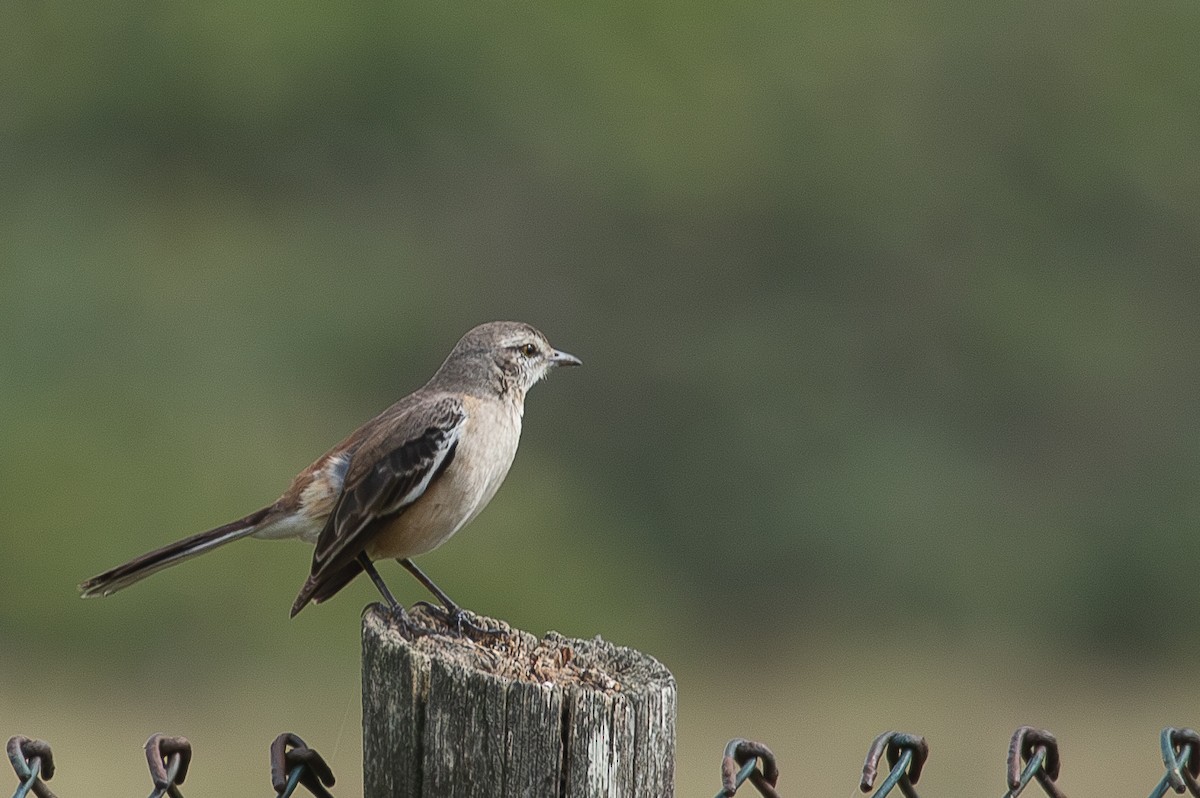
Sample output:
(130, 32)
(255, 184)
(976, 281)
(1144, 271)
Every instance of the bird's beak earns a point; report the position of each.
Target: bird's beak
(563, 359)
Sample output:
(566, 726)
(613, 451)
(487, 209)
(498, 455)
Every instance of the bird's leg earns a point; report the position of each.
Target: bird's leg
(394, 606)
(447, 602)
(453, 615)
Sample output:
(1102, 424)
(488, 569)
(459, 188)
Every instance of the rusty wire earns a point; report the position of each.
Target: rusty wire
(1032, 755)
(33, 762)
(1038, 750)
(906, 755)
(168, 758)
(741, 763)
(294, 764)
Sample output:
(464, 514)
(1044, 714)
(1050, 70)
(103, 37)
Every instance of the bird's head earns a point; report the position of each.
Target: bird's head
(513, 356)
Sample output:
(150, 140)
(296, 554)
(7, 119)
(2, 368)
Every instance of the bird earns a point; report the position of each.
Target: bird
(401, 484)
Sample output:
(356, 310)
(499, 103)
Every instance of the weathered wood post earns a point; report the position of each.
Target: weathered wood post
(515, 716)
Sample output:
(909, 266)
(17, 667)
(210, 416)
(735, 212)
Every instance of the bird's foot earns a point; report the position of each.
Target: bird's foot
(461, 622)
(399, 618)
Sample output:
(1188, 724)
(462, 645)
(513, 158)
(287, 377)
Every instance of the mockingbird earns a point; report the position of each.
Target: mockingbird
(401, 484)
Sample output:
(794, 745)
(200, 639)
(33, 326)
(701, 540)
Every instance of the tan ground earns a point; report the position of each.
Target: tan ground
(818, 712)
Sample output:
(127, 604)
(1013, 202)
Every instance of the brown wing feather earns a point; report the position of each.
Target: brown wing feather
(390, 470)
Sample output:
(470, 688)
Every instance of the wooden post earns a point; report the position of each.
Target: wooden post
(512, 717)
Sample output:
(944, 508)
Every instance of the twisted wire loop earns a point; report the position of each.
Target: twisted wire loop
(33, 763)
(1181, 757)
(1033, 753)
(294, 764)
(741, 763)
(906, 755)
(168, 758)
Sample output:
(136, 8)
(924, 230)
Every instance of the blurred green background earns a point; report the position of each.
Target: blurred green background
(888, 312)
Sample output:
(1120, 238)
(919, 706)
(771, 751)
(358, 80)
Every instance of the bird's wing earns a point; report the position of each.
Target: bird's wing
(390, 470)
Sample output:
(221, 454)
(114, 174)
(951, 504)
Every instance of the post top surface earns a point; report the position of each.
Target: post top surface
(516, 655)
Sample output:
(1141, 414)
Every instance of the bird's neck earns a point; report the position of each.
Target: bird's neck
(481, 377)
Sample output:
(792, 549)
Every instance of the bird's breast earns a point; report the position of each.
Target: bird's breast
(485, 452)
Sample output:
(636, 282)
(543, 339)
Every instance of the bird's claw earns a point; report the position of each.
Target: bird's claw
(398, 618)
(460, 621)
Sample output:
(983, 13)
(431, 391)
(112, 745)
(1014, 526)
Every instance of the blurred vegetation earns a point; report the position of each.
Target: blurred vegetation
(888, 314)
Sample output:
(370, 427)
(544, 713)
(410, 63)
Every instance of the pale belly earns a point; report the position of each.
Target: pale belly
(450, 503)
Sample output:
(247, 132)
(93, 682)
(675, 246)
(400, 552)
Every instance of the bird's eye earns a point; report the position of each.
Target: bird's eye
(528, 350)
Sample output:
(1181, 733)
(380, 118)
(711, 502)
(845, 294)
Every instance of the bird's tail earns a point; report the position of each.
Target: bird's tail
(152, 562)
(318, 590)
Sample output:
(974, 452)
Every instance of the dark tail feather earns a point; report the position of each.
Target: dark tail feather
(138, 569)
(316, 591)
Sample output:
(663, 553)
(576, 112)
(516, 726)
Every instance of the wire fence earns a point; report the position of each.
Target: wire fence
(1032, 756)
(293, 764)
